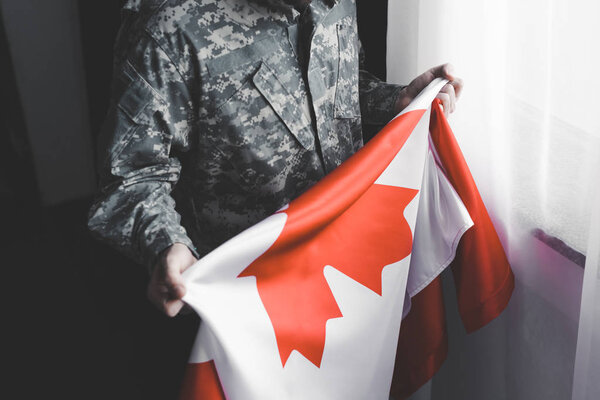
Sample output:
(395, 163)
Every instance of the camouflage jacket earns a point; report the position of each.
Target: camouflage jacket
(214, 125)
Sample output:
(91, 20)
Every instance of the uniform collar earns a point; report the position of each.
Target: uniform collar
(289, 11)
(132, 5)
(319, 9)
(140, 5)
(276, 5)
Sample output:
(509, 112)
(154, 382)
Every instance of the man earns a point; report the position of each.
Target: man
(224, 111)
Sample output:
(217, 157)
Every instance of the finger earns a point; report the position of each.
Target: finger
(191, 261)
(445, 98)
(458, 84)
(449, 90)
(163, 301)
(447, 72)
(172, 307)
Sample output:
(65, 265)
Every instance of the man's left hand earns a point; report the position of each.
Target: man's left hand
(448, 95)
(166, 287)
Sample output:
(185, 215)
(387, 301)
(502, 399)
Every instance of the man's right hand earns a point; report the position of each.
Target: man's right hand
(166, 287)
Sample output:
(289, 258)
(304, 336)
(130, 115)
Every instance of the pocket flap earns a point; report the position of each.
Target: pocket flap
(233, 59)
(284, 105)
(136, 94)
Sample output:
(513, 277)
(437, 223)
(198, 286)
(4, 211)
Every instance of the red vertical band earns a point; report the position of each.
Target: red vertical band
(201, 382)
(482, 275)
(422, 344)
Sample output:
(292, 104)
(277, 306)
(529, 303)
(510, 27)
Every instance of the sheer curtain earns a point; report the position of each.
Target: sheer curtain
(528, 123)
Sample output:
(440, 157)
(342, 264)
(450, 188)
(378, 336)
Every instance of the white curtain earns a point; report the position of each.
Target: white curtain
(529, 125)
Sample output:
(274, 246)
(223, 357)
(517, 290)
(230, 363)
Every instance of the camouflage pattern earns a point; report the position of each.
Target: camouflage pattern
(214, 125)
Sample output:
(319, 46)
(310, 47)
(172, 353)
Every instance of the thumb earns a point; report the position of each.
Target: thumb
(174, 282)
(445, 71)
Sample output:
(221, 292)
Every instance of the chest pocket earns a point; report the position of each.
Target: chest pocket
(245, 103)
(262, 130)
(346, 93)
(284, 105)
(263, 109)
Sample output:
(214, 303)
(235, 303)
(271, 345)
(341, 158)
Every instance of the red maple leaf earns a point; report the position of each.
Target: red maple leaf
(345, 221)
(360, 243)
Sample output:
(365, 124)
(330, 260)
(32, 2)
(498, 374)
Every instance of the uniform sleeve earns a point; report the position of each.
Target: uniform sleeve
(377, 98)
(148, 122)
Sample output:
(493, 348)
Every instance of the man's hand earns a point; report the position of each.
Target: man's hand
(448, 95)
(166, 288)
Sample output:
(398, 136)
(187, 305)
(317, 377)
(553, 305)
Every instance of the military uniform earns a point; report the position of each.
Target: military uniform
(223, 111)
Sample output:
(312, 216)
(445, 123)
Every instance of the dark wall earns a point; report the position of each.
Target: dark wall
(46, 56)
(99, 25)
(18, 191)
(372, 29)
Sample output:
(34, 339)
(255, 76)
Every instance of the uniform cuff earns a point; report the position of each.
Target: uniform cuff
(379, 105)
(386, 109)
(161, 241)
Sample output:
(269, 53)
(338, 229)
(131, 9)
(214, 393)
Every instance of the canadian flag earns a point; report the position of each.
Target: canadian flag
(308, 303)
